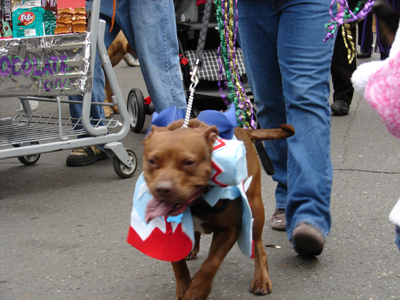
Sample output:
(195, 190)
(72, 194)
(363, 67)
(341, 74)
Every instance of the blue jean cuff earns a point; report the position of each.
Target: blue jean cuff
(397, 237)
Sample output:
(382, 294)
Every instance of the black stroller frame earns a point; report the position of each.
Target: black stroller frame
(207, 94)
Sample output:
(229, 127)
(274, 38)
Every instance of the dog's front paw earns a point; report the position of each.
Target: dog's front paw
(261, 287)
(192, 255)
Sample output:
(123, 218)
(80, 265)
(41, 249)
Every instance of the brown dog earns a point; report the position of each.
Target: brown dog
(116, 51)
(177, 169)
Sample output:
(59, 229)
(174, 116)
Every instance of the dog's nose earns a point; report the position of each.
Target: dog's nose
(164, 188)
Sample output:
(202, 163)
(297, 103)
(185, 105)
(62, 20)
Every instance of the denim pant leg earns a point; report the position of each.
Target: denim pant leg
(289, 70)
(397, 236)
(261, 60)
(98, 95)
(151, 27)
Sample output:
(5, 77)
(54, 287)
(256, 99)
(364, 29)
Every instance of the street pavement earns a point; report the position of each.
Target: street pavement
(63, 229)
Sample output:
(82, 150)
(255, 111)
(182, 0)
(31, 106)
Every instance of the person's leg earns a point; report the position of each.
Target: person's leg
(397, 236)
(305, 65)
(98, 95)
(156, 40)
(258, 28)
(341, 71)
(384, 46)
(150, 28)
(88, 155)
(365, 36)
(302, 162)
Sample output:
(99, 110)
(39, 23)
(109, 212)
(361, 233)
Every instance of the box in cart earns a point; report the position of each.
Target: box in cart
(6, 19)
(28, 22)
(50, 5)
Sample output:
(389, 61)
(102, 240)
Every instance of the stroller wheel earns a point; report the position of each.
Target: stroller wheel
(136, 109)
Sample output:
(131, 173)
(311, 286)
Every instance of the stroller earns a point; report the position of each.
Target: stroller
(207, 94)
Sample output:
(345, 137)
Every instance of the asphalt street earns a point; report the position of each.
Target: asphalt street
(63, 229)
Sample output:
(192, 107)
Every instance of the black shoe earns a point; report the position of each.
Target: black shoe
(308, 240)
(85, 156)
(363, 55)
(340, 108)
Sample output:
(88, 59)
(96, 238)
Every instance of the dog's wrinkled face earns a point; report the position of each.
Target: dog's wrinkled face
(177, 166)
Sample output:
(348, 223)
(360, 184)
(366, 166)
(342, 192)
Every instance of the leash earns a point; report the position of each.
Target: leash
(199, 55)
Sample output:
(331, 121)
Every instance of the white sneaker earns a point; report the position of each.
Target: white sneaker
(131, 61)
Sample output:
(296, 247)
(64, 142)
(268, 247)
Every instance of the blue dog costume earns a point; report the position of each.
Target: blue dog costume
(172, 238)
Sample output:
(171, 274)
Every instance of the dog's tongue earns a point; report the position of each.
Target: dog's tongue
(157, 208)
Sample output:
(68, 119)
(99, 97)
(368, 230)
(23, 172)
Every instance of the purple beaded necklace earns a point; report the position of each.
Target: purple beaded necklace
(227, 16)
(345, 15)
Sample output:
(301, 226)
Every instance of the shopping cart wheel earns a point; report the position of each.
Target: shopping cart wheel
(121, 169)
(28, 159)
(136, 109)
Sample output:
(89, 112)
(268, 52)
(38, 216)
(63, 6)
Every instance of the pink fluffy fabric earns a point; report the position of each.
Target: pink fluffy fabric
(383, 94)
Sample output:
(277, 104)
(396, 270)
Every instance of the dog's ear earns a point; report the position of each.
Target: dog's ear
(175, 125)
(195, 123)
(154, 129)
(211, 134)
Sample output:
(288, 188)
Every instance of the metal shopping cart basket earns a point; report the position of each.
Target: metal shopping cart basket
(50, 68)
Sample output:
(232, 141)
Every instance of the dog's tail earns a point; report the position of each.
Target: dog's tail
(283, 132)
(387, 20)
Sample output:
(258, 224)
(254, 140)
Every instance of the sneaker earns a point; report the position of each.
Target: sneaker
(340, 108)
(131, 61)
(85, 156)
(278, 220)
(307, 239)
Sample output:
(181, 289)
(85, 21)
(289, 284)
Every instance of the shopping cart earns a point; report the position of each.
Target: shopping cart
(26, 135)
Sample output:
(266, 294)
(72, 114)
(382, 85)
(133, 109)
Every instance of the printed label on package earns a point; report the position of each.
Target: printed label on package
(45, 66)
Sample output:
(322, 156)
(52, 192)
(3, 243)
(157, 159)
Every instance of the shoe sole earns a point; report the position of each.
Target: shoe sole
(279, 228)
(339, 112)
(306, 244)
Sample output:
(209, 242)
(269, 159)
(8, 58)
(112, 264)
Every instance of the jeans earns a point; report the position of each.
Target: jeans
(288, 67)
(150, 28)
(397, 236)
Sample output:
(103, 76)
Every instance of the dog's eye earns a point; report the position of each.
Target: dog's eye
(189, 163)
